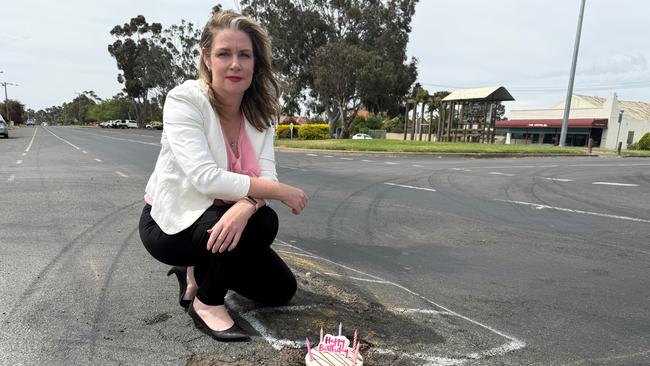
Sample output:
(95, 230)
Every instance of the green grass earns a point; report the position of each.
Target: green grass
(426, 147)
(640, 153)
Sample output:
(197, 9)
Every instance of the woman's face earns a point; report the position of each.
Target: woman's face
(231, 62)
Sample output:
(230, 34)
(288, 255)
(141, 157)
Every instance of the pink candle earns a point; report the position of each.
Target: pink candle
(356, 355)
(354, 342)
(340, 328)
(311, 358)
(321, 334)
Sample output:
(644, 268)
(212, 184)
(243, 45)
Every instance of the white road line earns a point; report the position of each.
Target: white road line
(32, 141)
(64, 140)
(328, 156)
(390, 163)
(558, 179)
(98, 160)
(418, 166)
(18, 162)
(350, 277)
(346, 159)
(512, 345)
(541, 207)
(311, 154)
(615, 184)
(419, 311)
(499, 173)
(430, 361)
(411, 187)
(23, 154)
(117, 138)
(367, 161)
(121, 174)
(11, 178)
(84, 151)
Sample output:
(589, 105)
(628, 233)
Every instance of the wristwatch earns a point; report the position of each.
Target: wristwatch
(252, 201)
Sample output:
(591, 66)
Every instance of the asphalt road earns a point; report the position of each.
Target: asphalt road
(539, 261)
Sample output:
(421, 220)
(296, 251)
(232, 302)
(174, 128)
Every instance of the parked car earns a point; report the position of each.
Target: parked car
(155, 125)
(124, 123)
(361, 136)
(4, 129)
(30, 122)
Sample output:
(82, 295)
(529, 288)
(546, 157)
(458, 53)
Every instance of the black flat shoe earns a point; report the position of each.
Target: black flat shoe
(232, 334)
(181, 276)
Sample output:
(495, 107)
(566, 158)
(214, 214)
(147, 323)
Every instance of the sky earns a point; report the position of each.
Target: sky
(55, 49)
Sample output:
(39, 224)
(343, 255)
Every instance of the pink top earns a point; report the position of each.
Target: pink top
(246, 163)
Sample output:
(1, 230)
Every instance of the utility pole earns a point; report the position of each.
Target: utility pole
(7, 100)
(78, 107)
(572, 74)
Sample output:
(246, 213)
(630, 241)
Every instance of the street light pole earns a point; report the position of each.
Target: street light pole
(620, 119)
(569, 92)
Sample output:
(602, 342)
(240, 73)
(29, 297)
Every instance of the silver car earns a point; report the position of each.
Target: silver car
(4, 129)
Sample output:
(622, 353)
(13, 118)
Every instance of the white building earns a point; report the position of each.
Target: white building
(590, 117)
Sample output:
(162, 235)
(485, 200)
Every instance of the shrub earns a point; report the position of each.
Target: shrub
(284, 131)
(314, 132)
(375, 122)
(644, 143)
(394, 125)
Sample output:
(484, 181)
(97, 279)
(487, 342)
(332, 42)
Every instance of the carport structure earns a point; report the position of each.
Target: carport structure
(469, 115)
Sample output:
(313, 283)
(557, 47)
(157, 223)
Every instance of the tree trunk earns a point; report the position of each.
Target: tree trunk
(332, 117)
(344, 123)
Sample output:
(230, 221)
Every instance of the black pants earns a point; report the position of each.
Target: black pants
(252, 269)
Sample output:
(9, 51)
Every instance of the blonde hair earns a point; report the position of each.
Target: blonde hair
(260, 104)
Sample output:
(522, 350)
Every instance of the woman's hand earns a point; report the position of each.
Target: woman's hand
(225, 234)
(293, 197)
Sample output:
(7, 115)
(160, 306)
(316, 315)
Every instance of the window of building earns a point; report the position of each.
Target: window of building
(630, 138)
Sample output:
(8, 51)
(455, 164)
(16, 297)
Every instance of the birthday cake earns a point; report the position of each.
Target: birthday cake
(334, 351)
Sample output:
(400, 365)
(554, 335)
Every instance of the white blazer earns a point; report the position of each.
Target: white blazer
(192, 167)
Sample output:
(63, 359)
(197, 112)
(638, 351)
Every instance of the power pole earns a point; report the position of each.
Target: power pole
(569, 92)
(7, 99)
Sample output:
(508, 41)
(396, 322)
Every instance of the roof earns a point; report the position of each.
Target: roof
(491, 94)
(553, 123)
(634, 110)
(582, 101)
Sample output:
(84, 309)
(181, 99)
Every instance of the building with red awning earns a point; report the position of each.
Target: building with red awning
(590, 118)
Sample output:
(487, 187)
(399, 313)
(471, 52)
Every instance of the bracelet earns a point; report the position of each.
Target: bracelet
(252, 201)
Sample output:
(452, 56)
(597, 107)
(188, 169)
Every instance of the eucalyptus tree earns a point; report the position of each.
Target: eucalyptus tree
(143, 62)
(311, 38)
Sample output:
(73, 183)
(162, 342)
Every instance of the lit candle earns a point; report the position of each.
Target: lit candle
(311, 358)
(321, 334)
(340, 328)
(354, 342)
